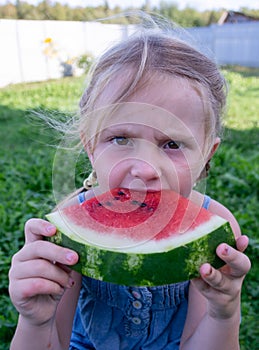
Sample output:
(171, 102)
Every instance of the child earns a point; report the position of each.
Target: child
(161, 132)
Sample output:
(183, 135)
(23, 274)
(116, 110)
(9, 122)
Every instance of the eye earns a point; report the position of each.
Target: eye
(120, 140)
(172, 145)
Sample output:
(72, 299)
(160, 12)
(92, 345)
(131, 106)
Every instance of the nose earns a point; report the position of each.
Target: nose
(146, 163)
(144, 170)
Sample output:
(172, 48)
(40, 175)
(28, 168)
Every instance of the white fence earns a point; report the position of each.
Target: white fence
(232, 43)
(36, 50)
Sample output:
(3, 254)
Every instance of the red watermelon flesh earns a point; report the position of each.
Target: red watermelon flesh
(135, 238)
(129, 217)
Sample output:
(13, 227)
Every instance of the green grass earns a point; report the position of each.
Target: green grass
(26, 157)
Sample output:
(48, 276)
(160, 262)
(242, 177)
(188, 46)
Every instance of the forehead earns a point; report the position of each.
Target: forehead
(175, 94)
(182, 98)
(159, 101)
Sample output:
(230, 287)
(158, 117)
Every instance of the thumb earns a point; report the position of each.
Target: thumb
(242, 243)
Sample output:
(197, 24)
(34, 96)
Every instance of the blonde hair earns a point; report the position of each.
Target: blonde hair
(153, 49)
(156, 51)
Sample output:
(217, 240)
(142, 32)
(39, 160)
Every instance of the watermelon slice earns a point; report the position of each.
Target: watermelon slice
(141, 239)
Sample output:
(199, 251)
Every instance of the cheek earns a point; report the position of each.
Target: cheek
(184, 172)
(110, 170)
(193, 162)
(101, 158)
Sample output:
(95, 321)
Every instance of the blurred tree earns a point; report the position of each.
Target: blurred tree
(60, 12)
(44, 10)
(250, 12)
(8, 11)
(18, 9)
(169, 10)
(50, 10)
(147, 6)
(26, 11)
(212, 17)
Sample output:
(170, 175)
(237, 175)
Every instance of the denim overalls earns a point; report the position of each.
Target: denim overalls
(115, 317)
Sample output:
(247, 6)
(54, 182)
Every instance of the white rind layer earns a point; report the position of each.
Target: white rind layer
(125, 245)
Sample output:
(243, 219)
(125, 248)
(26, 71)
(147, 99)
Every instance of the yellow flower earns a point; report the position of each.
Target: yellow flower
(48, 40)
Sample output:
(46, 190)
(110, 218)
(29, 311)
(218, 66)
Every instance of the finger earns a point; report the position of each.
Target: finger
(45, 250)
(214, 278)
(35, 229)
(42, 269)
(237, 262)
(242, 243)
(36, 286)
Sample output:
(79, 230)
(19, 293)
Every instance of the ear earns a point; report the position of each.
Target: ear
(204, 173)
(214, 148)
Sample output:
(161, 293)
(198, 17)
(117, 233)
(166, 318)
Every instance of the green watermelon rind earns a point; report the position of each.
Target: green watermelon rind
(147, 269)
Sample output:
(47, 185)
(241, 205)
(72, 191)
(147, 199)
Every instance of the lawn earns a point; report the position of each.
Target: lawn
(26, 158)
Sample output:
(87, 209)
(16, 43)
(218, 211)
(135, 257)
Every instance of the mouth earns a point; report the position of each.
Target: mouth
(142, 189)
(145, 189)
(138, 185)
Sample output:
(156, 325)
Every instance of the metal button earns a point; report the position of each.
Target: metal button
(137, 304)
(136, 294)
(136, 320)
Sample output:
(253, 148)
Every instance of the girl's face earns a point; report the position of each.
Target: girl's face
(153, 141)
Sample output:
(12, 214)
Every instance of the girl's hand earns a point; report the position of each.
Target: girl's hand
(39, 275)
(222, 288)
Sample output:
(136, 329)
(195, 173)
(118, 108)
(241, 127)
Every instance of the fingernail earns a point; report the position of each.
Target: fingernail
(50, 228)
(225, 250)
(70, 257)
(208, 273)
(71, 282)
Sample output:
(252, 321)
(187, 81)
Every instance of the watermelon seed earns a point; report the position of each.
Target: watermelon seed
(135, 202)
(143, 205)
(121, 193)
(116, 198)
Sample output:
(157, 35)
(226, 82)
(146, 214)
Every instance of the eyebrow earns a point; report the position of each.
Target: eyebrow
(119, 129)
(128, 130)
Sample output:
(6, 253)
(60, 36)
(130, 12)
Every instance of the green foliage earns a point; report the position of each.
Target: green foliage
(234, 181)
(26, 157)
(187, 17)
(47, 10)
(85, 61)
